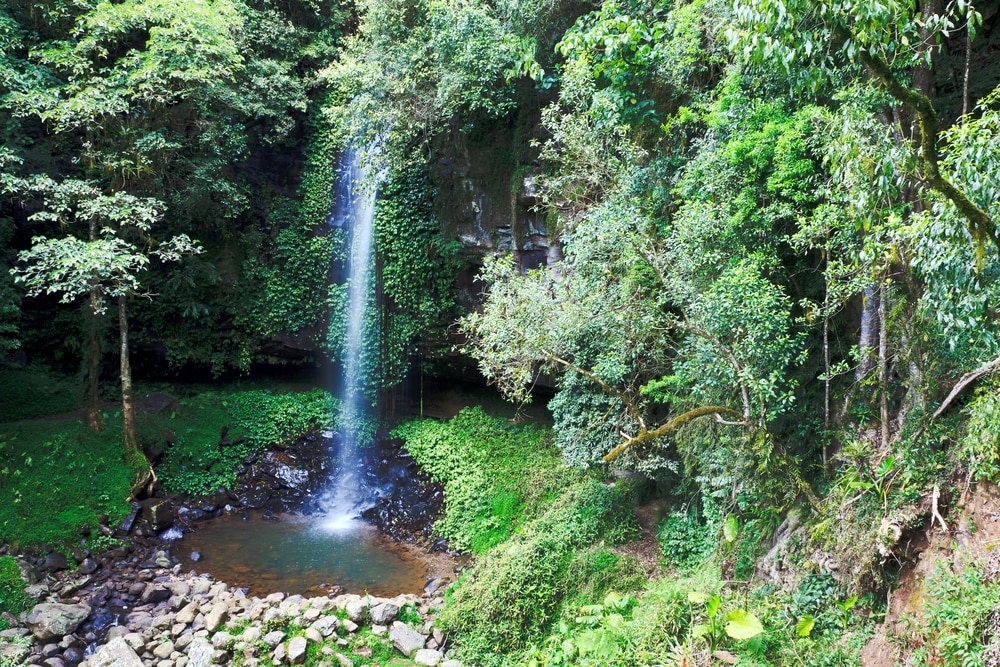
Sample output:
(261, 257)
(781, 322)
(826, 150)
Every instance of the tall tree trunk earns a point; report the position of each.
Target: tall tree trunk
(866, 339)
(92, 352)
(883, 364)
(92, 362)
(128, 406)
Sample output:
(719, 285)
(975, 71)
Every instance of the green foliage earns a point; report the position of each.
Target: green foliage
(515, 589)
(197, 463)
(494, 474)
(685, 540)
(13, 601)
(978, 451)
(959, 613)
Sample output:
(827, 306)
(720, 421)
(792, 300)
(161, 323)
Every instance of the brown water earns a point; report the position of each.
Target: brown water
(297, 555)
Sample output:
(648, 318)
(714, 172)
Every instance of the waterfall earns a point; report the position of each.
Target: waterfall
(354, 210)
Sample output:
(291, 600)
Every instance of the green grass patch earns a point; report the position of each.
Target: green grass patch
(58, 475)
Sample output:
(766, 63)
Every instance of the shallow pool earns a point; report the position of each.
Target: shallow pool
(296, 554)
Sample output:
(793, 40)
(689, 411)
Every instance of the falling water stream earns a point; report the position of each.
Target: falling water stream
(334, 546)
(354, 210)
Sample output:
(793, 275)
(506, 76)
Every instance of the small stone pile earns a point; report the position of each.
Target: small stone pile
(191, 621)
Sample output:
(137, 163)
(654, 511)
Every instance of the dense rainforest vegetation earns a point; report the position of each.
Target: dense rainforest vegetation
(747, 250)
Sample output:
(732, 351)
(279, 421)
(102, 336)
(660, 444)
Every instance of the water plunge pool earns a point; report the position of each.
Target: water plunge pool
(295, 554)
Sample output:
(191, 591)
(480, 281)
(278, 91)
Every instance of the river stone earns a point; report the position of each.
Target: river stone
(221, 640)
(13, 654)
(133, 639)
(297, 650)
(385, 613)
(183, 641)
(356, 610)
(50, 620)
(274, 638)
(379, 630)
(89, 566)
(314, 636)
(406, 640)
(154, 593)
(220, 657)
(199, 653)
(181, 588)
(327, 625)
(201, 586)
(116, 653)
(428, 657)
(350, 626)
(280, 653)
(218, 615)
(251, 634)
(188, 613)
(164, 650)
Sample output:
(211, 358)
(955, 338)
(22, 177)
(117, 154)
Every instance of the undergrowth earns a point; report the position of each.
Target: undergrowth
(13, 601)
(59, 476)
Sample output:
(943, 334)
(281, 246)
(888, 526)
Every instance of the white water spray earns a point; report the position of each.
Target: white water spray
(354, 210)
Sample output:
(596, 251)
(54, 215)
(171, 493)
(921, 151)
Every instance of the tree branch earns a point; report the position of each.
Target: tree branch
(964, 382)
(678, 421)
(981, 225)
(605, 387)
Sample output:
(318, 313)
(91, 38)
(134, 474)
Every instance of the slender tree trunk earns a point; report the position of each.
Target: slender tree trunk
(92, 352)
(128, 406)
(92, 362)
(968, 64)
(866, 339)
(883, 364)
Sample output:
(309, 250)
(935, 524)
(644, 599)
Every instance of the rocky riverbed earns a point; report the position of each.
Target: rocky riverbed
(137, 603)
(162, 617)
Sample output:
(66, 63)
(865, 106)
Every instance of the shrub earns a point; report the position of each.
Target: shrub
(494, 474)
(196, 464)
(13, 601)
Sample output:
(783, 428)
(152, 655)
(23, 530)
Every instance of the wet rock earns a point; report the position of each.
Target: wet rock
(89, 566)
(297, 650)
(428, 657)
(385, 613)
(50, 620)
(72, 655)
(158, 513)
(55, 562)
(406, 640)
(115, 653)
